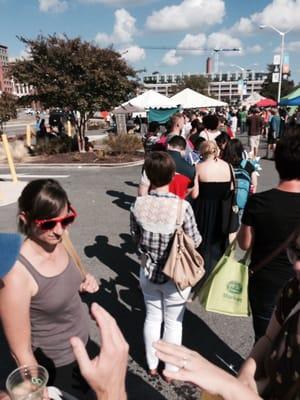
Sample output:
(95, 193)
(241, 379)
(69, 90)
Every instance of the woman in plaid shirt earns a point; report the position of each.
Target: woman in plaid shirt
(153, 223)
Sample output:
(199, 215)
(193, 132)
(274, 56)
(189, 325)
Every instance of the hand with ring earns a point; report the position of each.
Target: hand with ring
(196, 369)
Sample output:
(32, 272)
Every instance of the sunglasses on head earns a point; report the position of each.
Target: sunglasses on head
(48, 224)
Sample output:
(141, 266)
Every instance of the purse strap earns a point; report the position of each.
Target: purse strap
(232, 178)
(179, 217)
(68, 245)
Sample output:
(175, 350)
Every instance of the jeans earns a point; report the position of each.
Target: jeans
(163, 304)
(262, 296)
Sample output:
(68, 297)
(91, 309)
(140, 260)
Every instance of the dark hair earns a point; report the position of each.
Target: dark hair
(223, 138)
(153, 126)
(197, 143)
(211, 122)
(287, 157)
(40, 199)
(196, 124)
(233, 153)
(177, 142)
(160, 168)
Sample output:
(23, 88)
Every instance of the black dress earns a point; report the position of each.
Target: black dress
(208, 213)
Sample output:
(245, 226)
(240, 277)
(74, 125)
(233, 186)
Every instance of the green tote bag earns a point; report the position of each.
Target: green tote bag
(226, 289)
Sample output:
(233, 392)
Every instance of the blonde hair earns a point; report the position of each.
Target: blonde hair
(209, 148)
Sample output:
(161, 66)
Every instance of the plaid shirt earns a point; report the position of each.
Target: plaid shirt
(154, 247)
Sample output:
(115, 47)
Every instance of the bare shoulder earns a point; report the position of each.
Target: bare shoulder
(19, 280)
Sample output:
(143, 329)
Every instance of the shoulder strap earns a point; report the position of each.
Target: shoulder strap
(179, 218)
(27, 264)
(232, 179)
(66, 240)
(243, 163)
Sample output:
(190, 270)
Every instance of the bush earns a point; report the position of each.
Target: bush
(17, 149)
(123, 144)
(64, 144)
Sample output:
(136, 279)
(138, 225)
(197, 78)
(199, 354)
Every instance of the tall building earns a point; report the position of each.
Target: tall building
(5, 83)
(209, 65)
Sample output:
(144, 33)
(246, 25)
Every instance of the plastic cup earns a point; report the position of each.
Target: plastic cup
(27, 383)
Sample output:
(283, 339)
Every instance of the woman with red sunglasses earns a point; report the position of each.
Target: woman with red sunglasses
(40, 304)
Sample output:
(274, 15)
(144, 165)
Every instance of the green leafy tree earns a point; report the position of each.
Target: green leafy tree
(195, 82)
(74, 75)
(270, 89)
(8, 109)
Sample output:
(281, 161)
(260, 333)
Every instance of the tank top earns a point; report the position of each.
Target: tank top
(57, 313)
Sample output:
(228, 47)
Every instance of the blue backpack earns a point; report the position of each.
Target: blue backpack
(242, 184)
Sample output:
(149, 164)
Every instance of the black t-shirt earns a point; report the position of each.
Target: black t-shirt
(274, 215)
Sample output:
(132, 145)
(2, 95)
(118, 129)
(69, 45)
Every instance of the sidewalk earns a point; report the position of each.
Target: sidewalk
(10, 192)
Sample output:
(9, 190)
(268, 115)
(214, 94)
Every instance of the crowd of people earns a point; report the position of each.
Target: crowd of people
(199, 169)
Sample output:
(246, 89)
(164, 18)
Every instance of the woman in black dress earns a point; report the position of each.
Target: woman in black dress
(214, 178)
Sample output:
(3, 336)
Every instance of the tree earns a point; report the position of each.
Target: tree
(270, 89)
(8, 108)
(74, 75)
(195, 82)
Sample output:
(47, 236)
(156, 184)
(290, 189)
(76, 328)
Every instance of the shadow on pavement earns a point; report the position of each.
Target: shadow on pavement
(132, 184)
(127, 306)
(122, 200)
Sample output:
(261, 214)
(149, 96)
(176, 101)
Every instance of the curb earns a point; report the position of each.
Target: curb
(77, 165)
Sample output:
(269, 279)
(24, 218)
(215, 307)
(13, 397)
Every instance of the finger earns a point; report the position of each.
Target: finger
(170, 348)
(80, 354)
(109, 330)
(180, 375)
(170, 358)
(102, 318)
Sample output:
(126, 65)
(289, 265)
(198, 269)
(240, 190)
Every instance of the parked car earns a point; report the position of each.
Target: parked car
(29, 111)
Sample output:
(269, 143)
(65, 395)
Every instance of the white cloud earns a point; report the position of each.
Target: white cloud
(244, 26)
(188, 15)
(133, 54)
(123, 32)
(283, 14)
(191, 42)
(171, 58)
(219, 40)
(255, 49)
(53, 5)
(292, 47)
(117, 2)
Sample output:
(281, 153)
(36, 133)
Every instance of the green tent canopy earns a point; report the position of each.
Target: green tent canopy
(292, 99)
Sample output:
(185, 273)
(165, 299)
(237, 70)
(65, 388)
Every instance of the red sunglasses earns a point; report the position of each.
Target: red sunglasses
(48, 224)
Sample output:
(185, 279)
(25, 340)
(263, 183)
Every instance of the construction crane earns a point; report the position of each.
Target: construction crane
(216, 51)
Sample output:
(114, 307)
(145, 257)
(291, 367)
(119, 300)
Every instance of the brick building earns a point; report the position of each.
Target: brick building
(5, 83)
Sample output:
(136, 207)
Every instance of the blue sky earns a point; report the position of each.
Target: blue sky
(131, 25)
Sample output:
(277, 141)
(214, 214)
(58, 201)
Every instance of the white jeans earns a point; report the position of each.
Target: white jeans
(163, 304)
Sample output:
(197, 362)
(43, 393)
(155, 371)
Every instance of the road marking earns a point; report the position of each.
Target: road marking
(7, 176)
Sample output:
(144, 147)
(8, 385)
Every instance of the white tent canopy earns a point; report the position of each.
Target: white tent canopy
(252, 99)
(189, 98)
(149, 99)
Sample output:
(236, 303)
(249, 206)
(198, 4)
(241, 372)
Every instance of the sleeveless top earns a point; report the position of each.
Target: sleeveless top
(57, 313)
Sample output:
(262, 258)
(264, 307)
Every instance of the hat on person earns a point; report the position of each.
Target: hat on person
(10, 244)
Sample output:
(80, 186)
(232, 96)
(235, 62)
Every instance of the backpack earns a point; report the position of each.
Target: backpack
(242, 184)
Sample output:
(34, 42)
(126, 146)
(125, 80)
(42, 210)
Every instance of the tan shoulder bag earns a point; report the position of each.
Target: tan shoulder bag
(184, 266)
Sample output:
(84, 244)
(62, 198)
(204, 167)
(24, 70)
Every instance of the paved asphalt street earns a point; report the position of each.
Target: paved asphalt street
(102, 197)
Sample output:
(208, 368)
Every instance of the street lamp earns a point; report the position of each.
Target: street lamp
(243, 77)
(282, 34)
